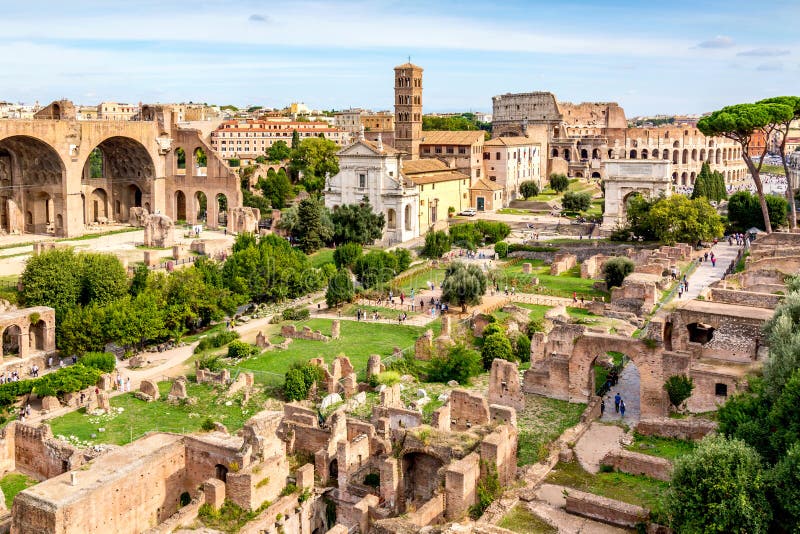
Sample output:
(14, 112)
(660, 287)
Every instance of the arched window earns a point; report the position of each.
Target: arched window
(632, 154)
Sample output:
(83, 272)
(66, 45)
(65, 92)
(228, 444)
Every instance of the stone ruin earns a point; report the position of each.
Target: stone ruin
(178, 390)
(374, 366)
(148, 391)
(158, 231)
(340, 377)
(290, 331)
(504, 385)
(137, 216)
(423, 346)
(562, 263)
(243, 219)
(262, 341)
(204, 376)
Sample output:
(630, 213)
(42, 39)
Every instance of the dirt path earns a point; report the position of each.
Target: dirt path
(596, 443)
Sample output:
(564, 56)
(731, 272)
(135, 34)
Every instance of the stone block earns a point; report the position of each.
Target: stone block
(150, 388)
(214, 491)
(527, 268)
(158, 231)
(423, 347)
(305, 477)
(243, 219)
(606, 510)
(504, 385)
(262, 341)
(50, 403)
(336, 328)
(179, 252)
(178, 390)
(103, 402)
(151, 258)
(374, 365)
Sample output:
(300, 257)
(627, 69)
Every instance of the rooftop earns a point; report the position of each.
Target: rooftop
(418, 166)
(510, 141)
(439, 137)
(434, 178)
(486, 185)
(730, 310)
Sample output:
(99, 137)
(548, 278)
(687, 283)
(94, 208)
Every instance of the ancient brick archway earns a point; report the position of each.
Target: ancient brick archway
(650, 363)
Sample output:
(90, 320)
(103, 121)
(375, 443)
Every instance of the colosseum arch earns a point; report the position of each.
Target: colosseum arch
(180, 206)
(128, 172)
(650, 363)
(32, 188)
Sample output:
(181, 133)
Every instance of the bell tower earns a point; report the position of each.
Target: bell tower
(408, 109)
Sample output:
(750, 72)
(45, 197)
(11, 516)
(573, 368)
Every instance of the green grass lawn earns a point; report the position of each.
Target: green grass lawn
(138, 417)
(668, 448)
(321, 257)
(13, 483)
(541, 422)
(514, 211)
(357, 341)
(773, 169)
(522, 521)
(537, 311)
(418, 280)
(349, 310)
(633, 489)
(562, 285)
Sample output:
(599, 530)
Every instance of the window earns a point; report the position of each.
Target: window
(721, 390)
(478, 173)
(438, 150)
(497, 155)
(449, 150)
(362, 181)
(462, 150)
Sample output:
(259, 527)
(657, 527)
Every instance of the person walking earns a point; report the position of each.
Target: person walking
(602, 407)
(617, 401)
(622, 408)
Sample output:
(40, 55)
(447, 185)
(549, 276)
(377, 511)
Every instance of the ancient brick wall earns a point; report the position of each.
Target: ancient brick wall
(204, 457)
(666, 427)
(36, 453)
(746, 298)
(460, 482)
(430, 512)
(639, 464)
(605, 510)
(258, 483)
(467, 409)
(499, 449)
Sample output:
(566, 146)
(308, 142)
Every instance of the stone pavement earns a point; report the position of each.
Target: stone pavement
(705, 274)
(550, 507)
(595, 443)
(628, 388)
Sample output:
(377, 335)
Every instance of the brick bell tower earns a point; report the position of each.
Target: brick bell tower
(408, 109)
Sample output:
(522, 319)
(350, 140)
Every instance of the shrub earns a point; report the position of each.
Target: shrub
(211, 363)
(239, 349)
(376, 268)
(528, 189)
(299, 379)
(295, 314)
(492, 328)
(460, 364)
(207, 425)
(346, 255)
(389, 378)
(403, 258)
(288, 490)
(501, 249)
(437, 243)
(489, 489)
(679, 388)
(615, 270)
(522, 347)
(576, 201)
(559, 182)
(340, 289)
(496, 346)
(216, 341)
(534, 325)
(785, 481)
(104, 361)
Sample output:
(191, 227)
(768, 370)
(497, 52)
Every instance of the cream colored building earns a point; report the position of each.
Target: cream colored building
(250, 138)
(441, 188)
(463, 149)
(116, 111)
(509, 161)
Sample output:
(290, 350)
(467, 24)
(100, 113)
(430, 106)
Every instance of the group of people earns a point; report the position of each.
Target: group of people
(619, 405)
(740, 239)
(13, 376)
(121, 384)
(34, 372)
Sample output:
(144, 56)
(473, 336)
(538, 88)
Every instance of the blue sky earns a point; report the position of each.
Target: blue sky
(651, 57)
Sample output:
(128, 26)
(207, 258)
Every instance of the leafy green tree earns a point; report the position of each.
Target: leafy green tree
(616, 270)
(458, 123)
(678, 388)
(784, 416)
(460, 364)
(280, 151)
(239, 350)
(103, 278)
(53, 279)
(744, 211)
(637, 211)
(96, 163)
(357, 223)
(528, 189)
(719, 487)
(782, 132)
(576, 201)
(375, 268)
(679, 219)
(277, 188)
(745, 417)
(710, 185)
(340, 289)
(315, 158)
(82, 330)
(403, 257)
(437, 243)
(105, 361)
(559, 182)
(346, 255)
(311, 231)
(295, 140)
(501, 249)
(463, 285)
(496, 346)
(299, 380)
(522, 346)
(783, 336)
(740, 123)
(139, 280)
(784, 481)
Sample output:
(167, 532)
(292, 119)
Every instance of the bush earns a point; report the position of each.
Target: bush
(576, 201)
(679, 388)
(534, 325)
(501, 249)
(522, 347)
(460, 364)
(207, 425)
(295, 314)
(436, 244)
(528, 189)
(104, 361)
(216, 341)
(559, 182)
(376, 268)
(340, 289)
(496, 346)
(492, 328)
(211, 363)
(785, 481)
(615, 270)
(389, 378)
(58, 383)
(346, 255)
(403, 257)
(489, 489)
(239, 349)
(299, 379)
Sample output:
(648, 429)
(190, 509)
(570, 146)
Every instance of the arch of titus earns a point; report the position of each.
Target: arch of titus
(48, 184)
(628, 177)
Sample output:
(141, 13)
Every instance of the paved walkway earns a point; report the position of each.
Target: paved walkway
(550, 507)
(705, 274)
(595, 443)
(628, 389)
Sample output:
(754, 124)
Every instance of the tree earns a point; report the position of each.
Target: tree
(139, 280)
(279, 151)
(783, 336)
(295, 140)
(315, 158)
(277, 188)
(82, 330)
(784, 417)
(346, 255)
(559, 182)
(709, 184)
(501, 249)
(782, 132)
(576, 201)
(340, 289)
(463, 285)
(437, 243)
(299, 380)
(528, 189)
(522, 346)
(678, 388)
(744, 211)
(375, 268)
(104, 279)
(311, 231)
(785, 484)
(616, 270)
(679, 219)
(357, 223)
(719, 487)
(496, 346)
(53, 279)
(460, 364)
(740, 123)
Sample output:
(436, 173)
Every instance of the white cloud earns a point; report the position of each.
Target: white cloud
(770, 67)
(765, 52)
(720, 41)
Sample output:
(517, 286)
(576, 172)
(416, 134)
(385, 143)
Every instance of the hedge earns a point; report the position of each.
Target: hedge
(58, 383)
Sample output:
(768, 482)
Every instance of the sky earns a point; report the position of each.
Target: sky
(650, 57)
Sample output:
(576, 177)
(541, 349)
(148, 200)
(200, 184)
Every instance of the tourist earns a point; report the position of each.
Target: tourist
(128, 385)
(617, 400)
(602, 407)
(622, 408)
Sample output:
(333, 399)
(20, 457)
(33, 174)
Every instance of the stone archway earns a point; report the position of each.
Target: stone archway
(649, 362)
(38, 335)
(11, 340)
(180, 205)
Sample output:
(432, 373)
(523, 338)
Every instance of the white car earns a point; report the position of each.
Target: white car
(469, 212)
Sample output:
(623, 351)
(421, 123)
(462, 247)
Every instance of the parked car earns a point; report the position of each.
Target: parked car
(469, 212)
